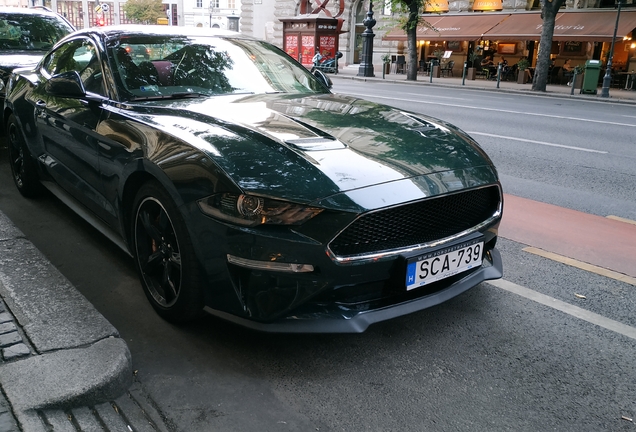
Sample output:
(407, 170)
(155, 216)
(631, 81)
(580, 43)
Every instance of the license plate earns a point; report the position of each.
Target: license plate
(441, 264)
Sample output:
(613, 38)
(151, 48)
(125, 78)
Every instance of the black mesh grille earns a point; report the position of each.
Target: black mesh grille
(417, 223)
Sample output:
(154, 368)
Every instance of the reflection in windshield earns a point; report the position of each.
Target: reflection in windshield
(170, 67)
(30, 32)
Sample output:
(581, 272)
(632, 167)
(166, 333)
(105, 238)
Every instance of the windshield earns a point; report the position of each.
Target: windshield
(159, 67)
(25, 32)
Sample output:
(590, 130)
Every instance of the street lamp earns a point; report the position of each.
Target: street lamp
(607, 79)
(211, 9)
(366, 62)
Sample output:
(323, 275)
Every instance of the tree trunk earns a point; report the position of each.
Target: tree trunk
(548, 13)
(411, 37)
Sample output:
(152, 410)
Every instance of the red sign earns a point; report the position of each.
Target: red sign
(291, 45)
(328, 46)
(308, 48)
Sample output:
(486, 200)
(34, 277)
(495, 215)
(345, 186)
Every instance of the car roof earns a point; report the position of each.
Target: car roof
(35, 11)
(141, 30)
(27, 11)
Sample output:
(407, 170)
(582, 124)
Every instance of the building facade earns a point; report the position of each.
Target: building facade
(222, 14)
(261, 18)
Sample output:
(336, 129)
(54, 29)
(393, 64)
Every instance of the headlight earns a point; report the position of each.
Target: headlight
(250, 210)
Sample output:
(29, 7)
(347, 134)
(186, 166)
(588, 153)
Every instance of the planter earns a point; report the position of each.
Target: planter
(470, 73)
(387, 68)
(435, 71)
(578, 82)
(522, 76)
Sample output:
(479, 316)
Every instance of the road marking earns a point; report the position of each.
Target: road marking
(582, 265)
(481, 108)
(537, 142)
(620, 219)
(567, 308)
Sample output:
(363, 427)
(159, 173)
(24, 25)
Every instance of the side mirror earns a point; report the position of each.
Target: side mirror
(66, 84)
(324, 79)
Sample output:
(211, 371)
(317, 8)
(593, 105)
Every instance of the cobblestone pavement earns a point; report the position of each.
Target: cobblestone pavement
(134, 412)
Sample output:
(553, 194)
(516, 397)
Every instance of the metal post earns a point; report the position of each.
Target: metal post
(430, 74)
(366, 62)
(607, 79)
(498, 74)
(464, 73)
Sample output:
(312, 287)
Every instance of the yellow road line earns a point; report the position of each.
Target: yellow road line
(618, 218)
(583, 266)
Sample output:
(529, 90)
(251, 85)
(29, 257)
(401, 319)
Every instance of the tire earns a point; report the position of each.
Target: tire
(164, 256)
(23, 168)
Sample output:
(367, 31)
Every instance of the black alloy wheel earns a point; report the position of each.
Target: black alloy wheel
(164, 256)
(23, 168)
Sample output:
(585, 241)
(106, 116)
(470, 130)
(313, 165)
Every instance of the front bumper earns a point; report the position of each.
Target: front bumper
(336, 318)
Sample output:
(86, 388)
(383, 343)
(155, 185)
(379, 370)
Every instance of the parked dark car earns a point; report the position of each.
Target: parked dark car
(25, 36)
(242, 186)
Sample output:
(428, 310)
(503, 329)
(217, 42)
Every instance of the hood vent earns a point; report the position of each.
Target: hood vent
(316, 144)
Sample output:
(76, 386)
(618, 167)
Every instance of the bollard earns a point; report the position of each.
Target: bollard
(464, 73)
(498, 74)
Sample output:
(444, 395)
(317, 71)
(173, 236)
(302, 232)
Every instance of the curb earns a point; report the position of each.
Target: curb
(59, 351)
(528, 92)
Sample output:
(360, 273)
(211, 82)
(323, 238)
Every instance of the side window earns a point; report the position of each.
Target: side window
(78, 55)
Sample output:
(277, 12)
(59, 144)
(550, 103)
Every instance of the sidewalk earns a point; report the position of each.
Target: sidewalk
(616, 95)
(64, 367)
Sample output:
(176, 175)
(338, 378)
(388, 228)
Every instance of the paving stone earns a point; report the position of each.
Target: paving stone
(3, 308)
(5, 317)
(7, 327)
(15, 351)
(59, 421)
(133, 413)
(8, 339)
(146, 405)
(86, 420)
(111, 418)
(8, 423)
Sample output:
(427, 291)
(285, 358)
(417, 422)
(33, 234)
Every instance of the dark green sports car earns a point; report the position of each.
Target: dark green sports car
(243, 187)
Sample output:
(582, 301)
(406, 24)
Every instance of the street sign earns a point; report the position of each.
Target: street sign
(105, 7)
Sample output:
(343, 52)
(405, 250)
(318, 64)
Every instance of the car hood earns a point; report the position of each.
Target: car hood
(12, 60)
(316, 147)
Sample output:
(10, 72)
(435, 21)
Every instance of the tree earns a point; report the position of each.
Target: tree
(549, 9)
(412, 9)
(144, 11)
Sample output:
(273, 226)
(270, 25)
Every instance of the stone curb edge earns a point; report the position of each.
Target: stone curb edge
(69, 355)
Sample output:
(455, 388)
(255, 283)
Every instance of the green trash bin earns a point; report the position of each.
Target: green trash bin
(590, 79)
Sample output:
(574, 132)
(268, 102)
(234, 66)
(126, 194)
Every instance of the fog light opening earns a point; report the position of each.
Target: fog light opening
(270, 265)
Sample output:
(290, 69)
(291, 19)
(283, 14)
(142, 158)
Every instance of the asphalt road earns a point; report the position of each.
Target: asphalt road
(490, 359)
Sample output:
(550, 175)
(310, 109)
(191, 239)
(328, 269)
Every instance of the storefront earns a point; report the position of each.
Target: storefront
(578, 35)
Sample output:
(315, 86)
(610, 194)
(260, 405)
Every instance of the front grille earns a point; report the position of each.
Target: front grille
(416, 223)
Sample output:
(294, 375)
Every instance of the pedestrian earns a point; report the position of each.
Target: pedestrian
(568, 70)
(317, 57)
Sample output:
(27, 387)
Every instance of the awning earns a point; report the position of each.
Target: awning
(452, 27)
(519, 26)
(569, 26)
(593, 26)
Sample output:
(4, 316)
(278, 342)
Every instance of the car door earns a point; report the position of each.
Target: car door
(68, 124)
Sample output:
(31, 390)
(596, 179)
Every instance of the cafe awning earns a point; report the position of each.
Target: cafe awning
(452, 27)
(593, 26)
(519, 26)
(569, 26)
